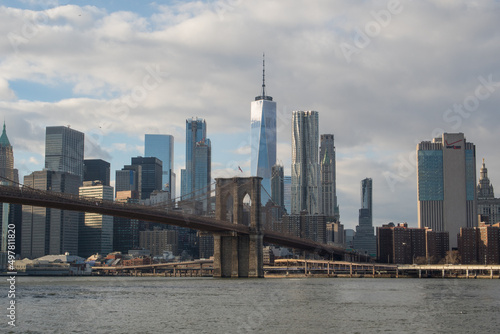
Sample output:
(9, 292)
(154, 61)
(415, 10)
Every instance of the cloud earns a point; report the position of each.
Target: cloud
(129, 74)
(5, 92)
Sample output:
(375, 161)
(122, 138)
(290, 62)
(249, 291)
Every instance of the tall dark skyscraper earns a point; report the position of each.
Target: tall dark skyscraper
(328, 178)
(263, 138)
(162, 147)
(366, 198)
(64, 148)
(364, 241)
(129, 179)
(197, 176)
(96, 169)
(151, 174)
(278, 186)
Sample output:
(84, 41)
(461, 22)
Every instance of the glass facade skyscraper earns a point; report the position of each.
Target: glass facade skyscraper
(96, 170)
(150, 175)
(64, 148)
(50, 231)
(447, 184)
(197, 176)
(366, 197)
(162, 147)
(364, 240)
(306, 194)
(263, 138)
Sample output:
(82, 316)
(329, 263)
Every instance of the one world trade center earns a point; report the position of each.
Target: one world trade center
(263, 138)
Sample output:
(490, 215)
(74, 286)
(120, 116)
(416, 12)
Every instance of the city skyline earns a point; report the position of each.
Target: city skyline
(198, 62)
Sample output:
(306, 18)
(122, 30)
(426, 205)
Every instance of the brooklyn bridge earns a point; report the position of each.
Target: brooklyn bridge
(237, 246)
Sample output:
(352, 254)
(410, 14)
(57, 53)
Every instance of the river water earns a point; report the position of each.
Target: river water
(287, 305)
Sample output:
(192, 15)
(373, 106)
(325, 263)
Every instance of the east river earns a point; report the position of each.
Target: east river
(287, 305)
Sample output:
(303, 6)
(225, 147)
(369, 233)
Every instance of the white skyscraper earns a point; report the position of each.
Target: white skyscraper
(446, 171)
(306, 194)
(263, 138)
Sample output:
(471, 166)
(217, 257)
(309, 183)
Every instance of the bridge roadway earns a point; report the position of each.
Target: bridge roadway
(29, 196)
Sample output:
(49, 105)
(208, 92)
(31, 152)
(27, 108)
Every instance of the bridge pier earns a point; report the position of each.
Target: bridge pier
(238, 255)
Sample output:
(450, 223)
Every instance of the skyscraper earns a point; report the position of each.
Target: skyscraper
(129, 178)
(306, 193)
(96, 170)
(150, 175)
(488, 207)
(364, 240)
(446, 171)
(366, 198)
(278, 186)
(263, 137)
(64, 149)
(162, 147)
(96, 231)
(9, 213)
(50, 231)
(196, 177)
(328, 178)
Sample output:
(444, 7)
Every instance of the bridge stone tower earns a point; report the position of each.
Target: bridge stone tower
(238, 255)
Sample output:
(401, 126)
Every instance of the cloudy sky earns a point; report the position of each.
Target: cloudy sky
(383, 75)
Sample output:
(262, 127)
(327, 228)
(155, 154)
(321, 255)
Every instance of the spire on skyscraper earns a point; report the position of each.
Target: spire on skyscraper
(263, 74)
(4, 141)
(263, 96)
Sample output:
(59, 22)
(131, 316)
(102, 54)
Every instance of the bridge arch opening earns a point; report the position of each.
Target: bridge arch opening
(247, 209)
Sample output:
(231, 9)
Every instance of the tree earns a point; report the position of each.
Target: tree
(452, 257)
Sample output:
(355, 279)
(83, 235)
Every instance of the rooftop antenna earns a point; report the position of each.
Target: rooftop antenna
(263, 75)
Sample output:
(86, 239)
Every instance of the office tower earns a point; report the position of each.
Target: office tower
(263, 137)
(335, 234)
(64, 149)
(50, 231)
(446, 171)
(364, 241)
(306, 193)
(150, 175)
(129, 178)
(126, 230)
(9, 213)
(488, 207)
(278, 186)
(287, 188)
(96, 170)
(366, 198)
(328, 178)
(196, 177)
(95, 234)
(162, 147)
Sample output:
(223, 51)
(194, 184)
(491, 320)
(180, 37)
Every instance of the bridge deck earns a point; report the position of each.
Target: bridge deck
(28, 196)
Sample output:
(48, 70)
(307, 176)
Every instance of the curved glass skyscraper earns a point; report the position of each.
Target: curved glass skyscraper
(263, 138)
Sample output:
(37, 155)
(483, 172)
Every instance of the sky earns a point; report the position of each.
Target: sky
(383, 76)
